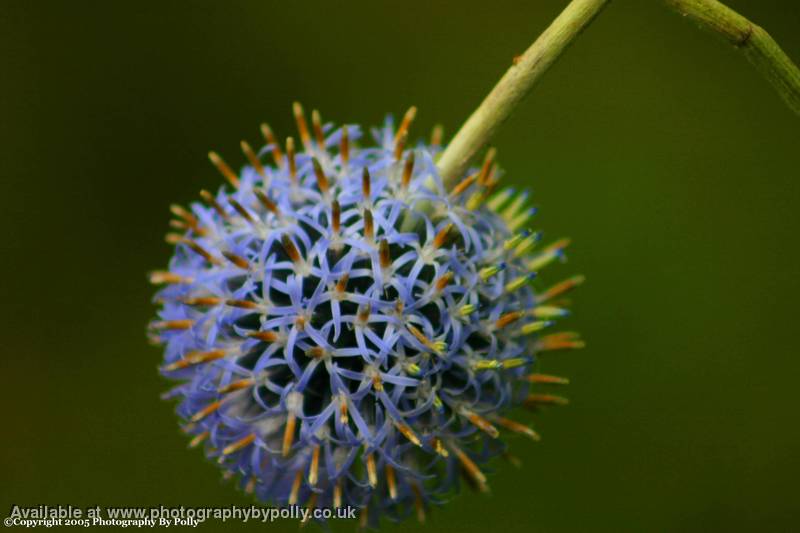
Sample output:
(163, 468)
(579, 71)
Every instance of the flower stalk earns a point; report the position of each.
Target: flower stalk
(756, 44)
(512, 88)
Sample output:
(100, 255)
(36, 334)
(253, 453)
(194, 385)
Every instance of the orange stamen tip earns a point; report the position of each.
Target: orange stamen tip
(268, 204)
(391, 482)
(377, 383)
(443, 281)
(481, 423)
(337, 493)
(366, 184)
(317, 352)
(547, 379)
(237, 260)
(369, 225)
(400, 145)
(419, 503)
(209, 199)
(464, 184)
(236, 385)
(425, 341)
(203, 301)
(199, 250)
(534, 400)
(558, 245)
(270, 138)
(239, 208)
(198, 439)
(161, 277)
(442, 236)
(341, 285)
(290, 249)
(316, 124)
(408, 118)
(288, 435)
(181, 212)
(437, 134)
(266, 336)
(210, 408)
(290, 153)
(302, 125)
(561, 288)
(336, 216)
(239, 444)
(567, 340)
(252, 158)
(471, 468)
(298, 480)
(408, 171)
(195, 358)
(322, 179)
(344, 147)
(385, 257)
(242, 304)
(408, 433)
(313, 469)
(372, 474)
(224, 169)
(173, 324)
(517, 427)
(484, 176)
(508, 318)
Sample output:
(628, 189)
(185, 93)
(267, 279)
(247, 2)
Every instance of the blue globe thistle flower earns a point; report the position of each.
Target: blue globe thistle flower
(347, 332)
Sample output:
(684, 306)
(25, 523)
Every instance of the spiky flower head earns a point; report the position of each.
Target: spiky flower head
(348, 332)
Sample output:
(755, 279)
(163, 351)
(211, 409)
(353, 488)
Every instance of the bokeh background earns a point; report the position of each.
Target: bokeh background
(655, 146)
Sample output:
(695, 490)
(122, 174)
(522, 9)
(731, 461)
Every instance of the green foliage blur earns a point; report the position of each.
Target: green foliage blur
(656, 147)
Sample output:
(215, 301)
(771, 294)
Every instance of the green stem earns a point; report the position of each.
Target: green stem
(756, 44)
(514, 86)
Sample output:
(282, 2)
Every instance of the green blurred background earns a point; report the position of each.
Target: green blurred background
(655, 146)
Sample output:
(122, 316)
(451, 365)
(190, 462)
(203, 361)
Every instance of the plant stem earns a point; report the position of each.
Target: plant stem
(515, 84)
(756, 44)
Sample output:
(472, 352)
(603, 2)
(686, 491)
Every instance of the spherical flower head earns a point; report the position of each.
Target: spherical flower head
(345, 331)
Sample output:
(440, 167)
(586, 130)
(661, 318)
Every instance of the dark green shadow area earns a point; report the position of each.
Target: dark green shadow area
(655, 147)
